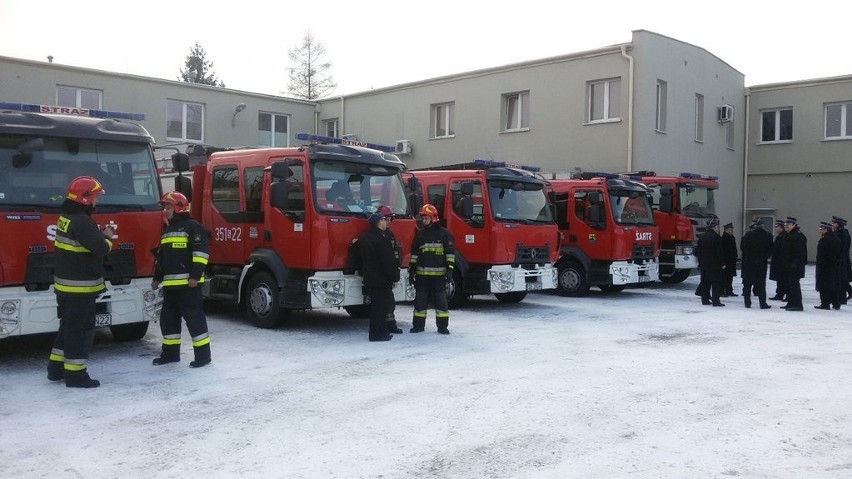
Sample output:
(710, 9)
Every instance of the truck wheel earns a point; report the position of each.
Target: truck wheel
(679, 276)
(572, 280)
(455, 291)
(612, 288)
(129, 332)
(513, 297)
(262, 301)
(358, 311)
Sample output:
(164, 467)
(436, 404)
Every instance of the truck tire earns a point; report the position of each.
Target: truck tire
(455, 291)
(358, 311)
(513, 297)
(612, 288)
(262, 305)
(571, 280)
(679, 276)
(129, 332)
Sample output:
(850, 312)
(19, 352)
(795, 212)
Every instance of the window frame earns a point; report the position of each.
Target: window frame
(660, 122)
(609, 103)
(272, 128)
(445, 111)
(183, 122)
(699, 118)
(334, 123)
(521, 116)
(845, 125)
(777, 113)
(78, 94)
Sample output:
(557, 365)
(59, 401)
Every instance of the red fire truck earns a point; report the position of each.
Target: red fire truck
(682, 207)
(608, 234)
(282, 221)
(39, 154)
(506, 240)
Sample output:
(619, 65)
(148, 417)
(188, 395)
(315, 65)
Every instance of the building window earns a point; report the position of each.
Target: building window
(699, 118)
(516, 111)
(443, 120)
(729, 135)
(273, 129)
(78, 97)
(604, 100)
(331, 127)
(185, 121)
(776, 125)
(838, 124)
(662, 99)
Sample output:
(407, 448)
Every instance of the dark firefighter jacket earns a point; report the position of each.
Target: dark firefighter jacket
(433, 252)
(182, 254)
(79, 258)
(378, 261)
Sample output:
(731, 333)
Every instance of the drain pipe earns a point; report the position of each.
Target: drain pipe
(745, 160)
(341, 127)
(629, 108)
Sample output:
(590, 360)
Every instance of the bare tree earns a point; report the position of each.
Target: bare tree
(198, 69)
(308, 78)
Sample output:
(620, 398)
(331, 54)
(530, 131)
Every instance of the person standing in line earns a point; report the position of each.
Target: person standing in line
(397, 254)
(729, 247)
(181, 261)
(827, 267)
(778, 265)
(711, 261)
(81, 247)
(381, 272)
(795, 250)
(756, 247)
(432, 261)
(845, 290)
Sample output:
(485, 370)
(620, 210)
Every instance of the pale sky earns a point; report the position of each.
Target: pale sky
(374, 44)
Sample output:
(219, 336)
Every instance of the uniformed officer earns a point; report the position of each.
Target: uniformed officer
(827, 267)
(729, 249)
(78, 279)
(432, 261)
(756, 247)
(845, 276)
(711, 261)
(381, 271)
(385, 210)
(778, 265)
(795, 252)
(181, 260)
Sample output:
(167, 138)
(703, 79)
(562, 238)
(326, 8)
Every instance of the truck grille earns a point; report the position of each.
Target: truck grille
(532, 254)
(642, 252)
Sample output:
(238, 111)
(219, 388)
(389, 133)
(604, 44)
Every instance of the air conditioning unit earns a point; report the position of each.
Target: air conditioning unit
(403, 147)
(726, 113)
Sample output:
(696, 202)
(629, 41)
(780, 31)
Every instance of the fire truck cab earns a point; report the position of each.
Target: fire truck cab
(42, 148)
(505, 237)
(608, 234)
(282, 221)
(683, 205)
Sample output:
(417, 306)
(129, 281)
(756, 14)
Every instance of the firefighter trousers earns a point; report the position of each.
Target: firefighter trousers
(76, 331)
(187, 303)
(436, 290)
(381, 304)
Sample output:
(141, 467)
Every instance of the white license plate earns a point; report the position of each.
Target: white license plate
(103, 320)
(533, 286)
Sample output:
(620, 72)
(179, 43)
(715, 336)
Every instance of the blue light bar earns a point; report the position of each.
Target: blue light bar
(698, 177)
(343, 141)
(503, 164)
(67, 110)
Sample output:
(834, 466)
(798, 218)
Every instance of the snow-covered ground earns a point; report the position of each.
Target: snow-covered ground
(643, 383)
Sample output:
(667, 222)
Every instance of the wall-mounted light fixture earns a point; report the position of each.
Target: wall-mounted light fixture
(239, 108)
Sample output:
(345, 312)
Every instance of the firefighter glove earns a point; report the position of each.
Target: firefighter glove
(412, 277)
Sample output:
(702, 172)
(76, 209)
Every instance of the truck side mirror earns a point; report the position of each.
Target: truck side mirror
(465, 207)
(281, 170)
(180, 162)
(666, 199)
(184, 185)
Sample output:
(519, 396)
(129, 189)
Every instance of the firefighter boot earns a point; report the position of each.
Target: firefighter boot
(170, 354)
(418, 325)
(747, 300)
(55, 370)
(80, 379)
(442, 325)
(202, 356)
(392, 326)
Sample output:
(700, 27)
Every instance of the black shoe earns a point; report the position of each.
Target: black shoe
(718, 304)
(747, 302)
(786, 306)
(776, 298)
(836, 307)
(394, 329)
(821, 307)
(444, 331)
(795, 308)
(80, 380)
(386, 337)
(198, 363)
(765, 306)
(165, 360)
(55, 371)
(416, 330)
(706, 303)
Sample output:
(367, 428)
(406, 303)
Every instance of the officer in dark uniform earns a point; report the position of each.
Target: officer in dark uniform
(845, 276)
(711, 261)
(381, 271)
(729, 247)
(756, 247)
(827, 267)
(778, 264)
(397, 254)
(795, 251)
(432, 261)
(181, 261)
(78, 280)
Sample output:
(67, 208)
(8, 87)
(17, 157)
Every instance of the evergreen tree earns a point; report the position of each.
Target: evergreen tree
(308, 78)
(198, 69)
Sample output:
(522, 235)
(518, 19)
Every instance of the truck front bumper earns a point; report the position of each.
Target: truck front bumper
(508, 278)
(333, 289)
(623, 272)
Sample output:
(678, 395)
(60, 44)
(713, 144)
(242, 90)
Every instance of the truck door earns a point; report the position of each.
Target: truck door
(286, 220)
(227, 227)
(466, 219)
(589, 223)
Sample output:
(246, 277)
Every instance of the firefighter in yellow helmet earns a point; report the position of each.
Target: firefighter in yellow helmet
(181, 261)
(81, 247)
(432, 261)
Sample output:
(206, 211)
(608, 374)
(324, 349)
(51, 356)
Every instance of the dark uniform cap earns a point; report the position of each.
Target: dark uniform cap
(838, 220)
(375, 217)
(713, 222)
(779, 223)
(756, 222)
(825, 225)
(791, 220)
(729, 226)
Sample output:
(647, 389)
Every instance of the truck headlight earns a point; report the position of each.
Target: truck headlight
(10, 312)
(504, 280)
(328, 291)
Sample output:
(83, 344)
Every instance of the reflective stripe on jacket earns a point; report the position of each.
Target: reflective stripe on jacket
(79, 256)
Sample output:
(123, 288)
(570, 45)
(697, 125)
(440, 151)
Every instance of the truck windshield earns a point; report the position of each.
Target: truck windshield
(631, 207)
(519, 201)
(35, 172)
(357, 189)
(697, 201)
